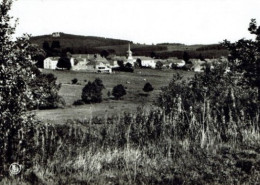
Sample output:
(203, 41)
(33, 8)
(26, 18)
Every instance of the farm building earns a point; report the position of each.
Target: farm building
(50, 62)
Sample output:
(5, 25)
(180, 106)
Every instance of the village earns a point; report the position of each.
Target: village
(98, 64)
(129, 92)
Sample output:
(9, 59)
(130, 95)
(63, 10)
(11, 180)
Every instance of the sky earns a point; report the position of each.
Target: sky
(140, 21)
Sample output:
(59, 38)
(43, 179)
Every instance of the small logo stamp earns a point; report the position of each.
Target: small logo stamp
(15, 168)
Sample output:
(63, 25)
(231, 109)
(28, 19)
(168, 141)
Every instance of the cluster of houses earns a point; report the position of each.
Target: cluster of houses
(96, 63)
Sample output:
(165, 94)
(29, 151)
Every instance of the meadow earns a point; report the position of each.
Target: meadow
(134, 83)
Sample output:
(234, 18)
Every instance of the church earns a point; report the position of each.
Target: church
(129, 56)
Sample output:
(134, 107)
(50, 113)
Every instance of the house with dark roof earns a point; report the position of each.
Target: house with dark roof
(99, 64)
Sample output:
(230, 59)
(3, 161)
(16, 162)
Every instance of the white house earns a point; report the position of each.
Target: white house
(146, 61)
(50, 62)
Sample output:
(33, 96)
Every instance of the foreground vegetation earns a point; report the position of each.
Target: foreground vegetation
(203, 131)
(143, 148)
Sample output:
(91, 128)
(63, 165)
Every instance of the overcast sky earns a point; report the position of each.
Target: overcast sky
(142, 21)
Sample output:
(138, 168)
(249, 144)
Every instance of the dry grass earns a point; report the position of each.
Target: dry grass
(145, 147)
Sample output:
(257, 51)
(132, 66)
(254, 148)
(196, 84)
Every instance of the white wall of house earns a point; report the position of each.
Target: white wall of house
(50, 63)
(148, 63)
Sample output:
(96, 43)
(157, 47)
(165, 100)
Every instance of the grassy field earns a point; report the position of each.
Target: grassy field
(134, 82)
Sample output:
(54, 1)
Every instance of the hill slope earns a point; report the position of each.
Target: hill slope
(57, 42)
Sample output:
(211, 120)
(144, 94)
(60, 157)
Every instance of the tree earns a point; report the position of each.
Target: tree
(201, 57)
(118, 91)
(139, 62)
(16, 125)
(45, 92)
(148, 87)
(74, 81)
(55, 44)
(99, 83)
(92, 92)
(104, 53)
(186, 57)
(128, 65)
(120, 63)
(46, 46)
(38, 55)
(55, 48)
(152, 54)
(244, 57)
(159, 65)
(64, 61)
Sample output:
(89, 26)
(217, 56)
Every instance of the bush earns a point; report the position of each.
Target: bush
(79, 102)
(74, 81)
(148, 87)
(92, 92)
(118, 91)
(159, 65)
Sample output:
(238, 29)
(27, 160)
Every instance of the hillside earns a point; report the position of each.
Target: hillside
(55, 43)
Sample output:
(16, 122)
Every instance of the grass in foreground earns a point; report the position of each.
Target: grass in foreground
(143, 148)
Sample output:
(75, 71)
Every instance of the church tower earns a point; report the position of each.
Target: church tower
(129, 53)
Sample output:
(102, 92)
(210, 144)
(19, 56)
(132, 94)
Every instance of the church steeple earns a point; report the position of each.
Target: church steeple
(129, 53)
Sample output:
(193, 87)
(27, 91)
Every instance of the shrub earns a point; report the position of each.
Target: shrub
(92, 92)
(79, 102)
(74, 81)
(159, 65)
(118, 91)
(148, 87)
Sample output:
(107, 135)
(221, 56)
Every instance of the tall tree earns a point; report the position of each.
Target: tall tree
(64, 61)
(186, 57)
(16, 125)
(245, 57)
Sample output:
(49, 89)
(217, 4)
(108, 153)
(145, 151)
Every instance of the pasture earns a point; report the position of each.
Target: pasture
(134, 83)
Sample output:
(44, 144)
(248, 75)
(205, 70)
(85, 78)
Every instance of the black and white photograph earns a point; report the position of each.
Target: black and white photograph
(129, 92)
